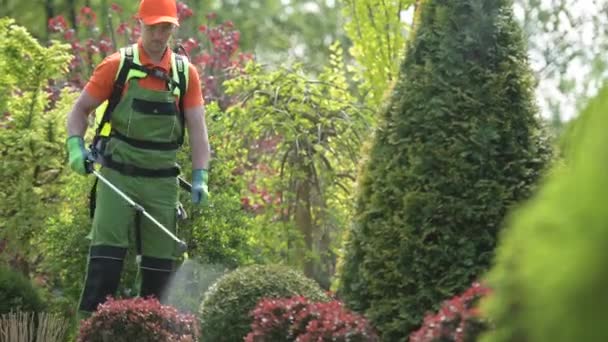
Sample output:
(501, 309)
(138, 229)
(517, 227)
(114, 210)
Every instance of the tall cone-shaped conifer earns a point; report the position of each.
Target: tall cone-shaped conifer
(458, 144)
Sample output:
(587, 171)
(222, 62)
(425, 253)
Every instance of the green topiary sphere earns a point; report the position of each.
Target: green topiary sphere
(225, 310)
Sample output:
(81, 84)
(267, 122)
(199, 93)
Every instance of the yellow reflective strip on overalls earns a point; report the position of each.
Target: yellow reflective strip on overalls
(107, 127)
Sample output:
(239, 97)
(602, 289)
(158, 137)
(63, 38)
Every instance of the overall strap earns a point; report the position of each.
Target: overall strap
(179, 66)
(126, 61)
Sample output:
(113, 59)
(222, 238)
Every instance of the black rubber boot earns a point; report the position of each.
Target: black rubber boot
(103, 276)
(155, 277)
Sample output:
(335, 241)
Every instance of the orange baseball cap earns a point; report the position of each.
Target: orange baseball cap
(158, 11)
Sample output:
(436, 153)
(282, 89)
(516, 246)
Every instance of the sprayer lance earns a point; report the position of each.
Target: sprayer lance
(182, 247)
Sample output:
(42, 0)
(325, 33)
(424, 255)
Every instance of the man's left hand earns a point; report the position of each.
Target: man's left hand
(200, 191)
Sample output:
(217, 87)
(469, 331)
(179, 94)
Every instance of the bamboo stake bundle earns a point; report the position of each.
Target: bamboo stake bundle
(32, 327)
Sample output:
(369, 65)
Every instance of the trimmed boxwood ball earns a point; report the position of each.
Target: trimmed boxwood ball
(225, 310)
(17, 293)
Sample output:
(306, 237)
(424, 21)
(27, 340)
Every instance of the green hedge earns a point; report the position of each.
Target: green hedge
(458, 145)
(549, 282)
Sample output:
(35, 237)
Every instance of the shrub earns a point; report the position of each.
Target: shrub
(138, 319)
(17, 293)
(298, 319)
(224, 312)
(458, 145)
(273, 319)
(549, 279)
(457, 320)
(298, 166)
(32, 140)
(329, 322)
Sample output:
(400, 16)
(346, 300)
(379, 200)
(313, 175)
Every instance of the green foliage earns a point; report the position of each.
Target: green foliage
(26, 66)
(221, 233)
(377, 31)
(225, 310)
(64, 245)
(298, 142)
(549, 277)
(457, 147)
(31, 139)
(17, 293)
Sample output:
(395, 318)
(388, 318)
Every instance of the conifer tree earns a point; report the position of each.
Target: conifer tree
(458, 144)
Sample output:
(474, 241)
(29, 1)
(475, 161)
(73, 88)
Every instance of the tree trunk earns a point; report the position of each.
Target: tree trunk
(304, 223)
(325, 268)
(72, 16)
(49, 6)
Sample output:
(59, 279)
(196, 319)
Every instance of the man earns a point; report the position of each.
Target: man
(138, 155)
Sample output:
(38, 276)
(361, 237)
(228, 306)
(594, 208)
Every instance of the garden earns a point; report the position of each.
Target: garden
(399, 170)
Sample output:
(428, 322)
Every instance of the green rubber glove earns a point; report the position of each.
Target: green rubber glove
(200, 191)
(77, 155)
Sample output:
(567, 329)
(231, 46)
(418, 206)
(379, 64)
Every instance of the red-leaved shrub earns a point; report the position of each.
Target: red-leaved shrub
(458, 319)
(297, 319)
(138, 319)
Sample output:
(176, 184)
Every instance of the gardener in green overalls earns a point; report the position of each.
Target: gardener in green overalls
(137, 149)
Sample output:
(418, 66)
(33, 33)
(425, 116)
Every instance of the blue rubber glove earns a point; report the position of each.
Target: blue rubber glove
(200, 191)
(78, 155)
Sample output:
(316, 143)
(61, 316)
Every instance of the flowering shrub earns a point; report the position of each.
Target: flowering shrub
(458, 320)
(215, 54)
(138, 319)
(300, 320)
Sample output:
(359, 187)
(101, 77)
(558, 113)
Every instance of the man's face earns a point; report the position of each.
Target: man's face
(155, 37)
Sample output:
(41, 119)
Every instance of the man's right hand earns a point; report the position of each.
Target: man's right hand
(77, 155)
